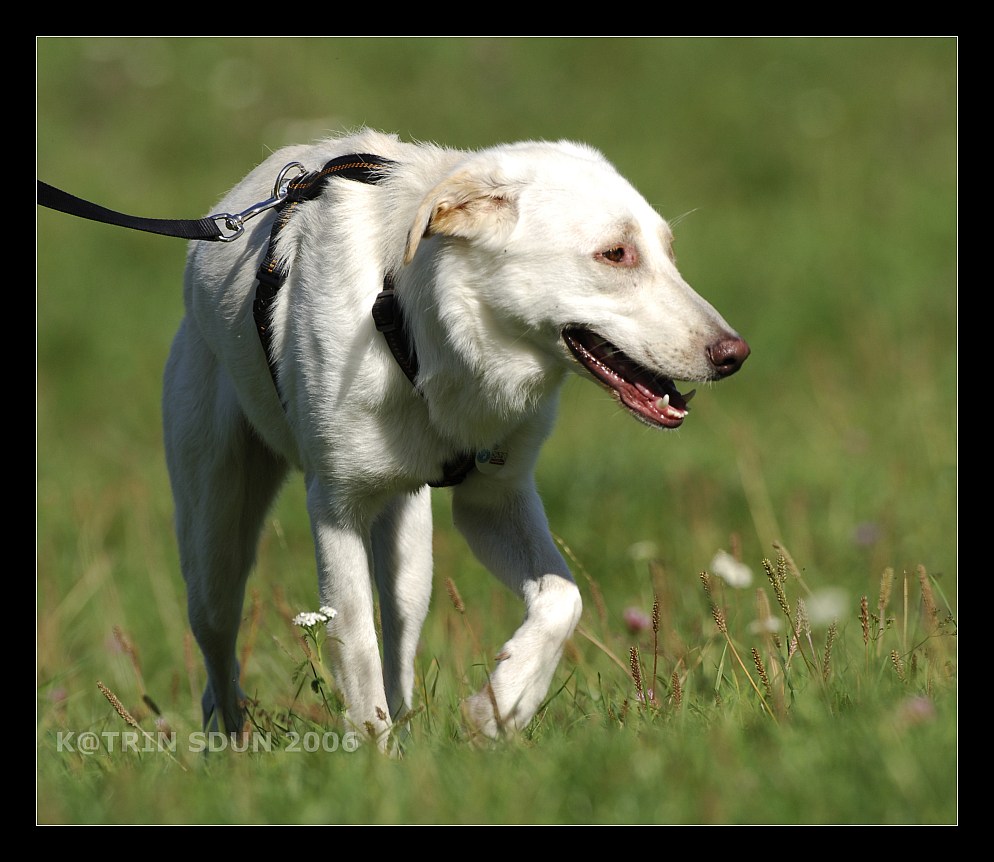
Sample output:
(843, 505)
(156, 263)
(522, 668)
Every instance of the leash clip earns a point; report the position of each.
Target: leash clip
(236, 222)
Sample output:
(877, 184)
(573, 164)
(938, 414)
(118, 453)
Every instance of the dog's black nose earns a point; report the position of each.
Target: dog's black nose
(727, 355)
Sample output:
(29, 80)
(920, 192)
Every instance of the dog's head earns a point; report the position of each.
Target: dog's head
(573, 260)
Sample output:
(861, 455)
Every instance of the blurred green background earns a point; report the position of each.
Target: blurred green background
(812, 188)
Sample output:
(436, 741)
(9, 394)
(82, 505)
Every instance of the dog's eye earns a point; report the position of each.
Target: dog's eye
(619, 255)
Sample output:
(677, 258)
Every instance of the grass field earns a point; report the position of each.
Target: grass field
(812, 185)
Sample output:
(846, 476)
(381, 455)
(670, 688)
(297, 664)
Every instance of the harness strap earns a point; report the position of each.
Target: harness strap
(362, 168)
(455, 471)
(389, 320)
(387, 314)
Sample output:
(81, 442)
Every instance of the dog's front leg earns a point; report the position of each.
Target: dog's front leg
(507, 529)
(402, 564)
(342, 544)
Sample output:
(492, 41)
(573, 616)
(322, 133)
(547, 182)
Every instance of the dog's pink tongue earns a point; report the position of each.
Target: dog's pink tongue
(663, 405)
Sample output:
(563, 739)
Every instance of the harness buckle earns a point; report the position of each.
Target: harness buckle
(385, 310)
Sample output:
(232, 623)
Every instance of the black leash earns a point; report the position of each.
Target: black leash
(56, 199)
(208, 228)
(288, 193)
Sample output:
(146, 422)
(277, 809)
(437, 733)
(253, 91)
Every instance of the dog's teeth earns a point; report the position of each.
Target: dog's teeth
(687, 396)
(662, 403)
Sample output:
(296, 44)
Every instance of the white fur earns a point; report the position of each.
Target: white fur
(493, 252)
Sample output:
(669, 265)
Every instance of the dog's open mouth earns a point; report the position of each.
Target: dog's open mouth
(652, 399)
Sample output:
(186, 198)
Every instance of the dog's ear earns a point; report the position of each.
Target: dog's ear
(468, 205)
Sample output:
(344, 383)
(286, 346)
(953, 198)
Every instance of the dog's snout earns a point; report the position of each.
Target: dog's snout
(727, 355)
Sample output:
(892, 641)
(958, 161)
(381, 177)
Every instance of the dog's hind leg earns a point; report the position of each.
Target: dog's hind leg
(506, 527)
(224, 479)
(402, 562)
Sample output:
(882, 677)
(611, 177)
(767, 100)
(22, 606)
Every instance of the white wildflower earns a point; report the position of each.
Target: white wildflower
(306, 619)
(827, 605)
(730, 570)
(769, 625)
(642, 551)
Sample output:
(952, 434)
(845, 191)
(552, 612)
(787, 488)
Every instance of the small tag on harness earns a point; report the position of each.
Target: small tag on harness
(491, 460)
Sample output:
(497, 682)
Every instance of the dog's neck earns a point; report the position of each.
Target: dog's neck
(456, 337)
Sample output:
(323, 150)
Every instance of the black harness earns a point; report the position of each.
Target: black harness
(225, 227)
(387, 314)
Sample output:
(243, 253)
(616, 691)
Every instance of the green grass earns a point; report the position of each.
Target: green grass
(812, 184)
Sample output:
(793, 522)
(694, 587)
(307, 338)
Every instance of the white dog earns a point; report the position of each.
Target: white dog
(511, 267)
